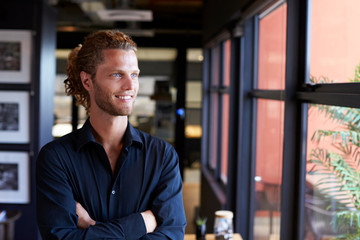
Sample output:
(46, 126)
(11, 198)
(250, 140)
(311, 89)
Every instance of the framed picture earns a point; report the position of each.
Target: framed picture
(14, 177)
(14, 117)
(15, 55)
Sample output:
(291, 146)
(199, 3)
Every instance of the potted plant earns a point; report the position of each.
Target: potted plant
(338, 166)
(200, 228)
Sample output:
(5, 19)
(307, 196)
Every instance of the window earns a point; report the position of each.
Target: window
(332, 168)
(219, 110)
(268, 172)
(225, 112)
(297, 156)
(270, 85)
(214, 106)
(272, 45)
(335, 48)
(332, 181)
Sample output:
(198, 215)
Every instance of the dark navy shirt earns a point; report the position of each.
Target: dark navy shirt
(76, 168)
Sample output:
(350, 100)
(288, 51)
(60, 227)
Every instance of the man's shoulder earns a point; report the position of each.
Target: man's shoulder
(58, 152)
(67, 141)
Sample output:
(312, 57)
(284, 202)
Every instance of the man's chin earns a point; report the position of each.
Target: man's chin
(122, 113)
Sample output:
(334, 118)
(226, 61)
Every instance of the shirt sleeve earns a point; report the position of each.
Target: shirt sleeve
(167, 204)
(56, 208)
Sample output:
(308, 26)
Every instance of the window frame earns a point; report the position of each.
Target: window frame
(221, 189)
(265, 94)
(294, 122)
(297, 94)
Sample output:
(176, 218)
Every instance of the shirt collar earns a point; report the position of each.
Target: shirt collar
(132, 136)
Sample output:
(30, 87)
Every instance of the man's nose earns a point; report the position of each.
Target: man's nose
(128, 82)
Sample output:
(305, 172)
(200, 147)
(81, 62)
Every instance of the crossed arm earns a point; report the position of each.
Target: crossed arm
(85, 221)
(59, 217)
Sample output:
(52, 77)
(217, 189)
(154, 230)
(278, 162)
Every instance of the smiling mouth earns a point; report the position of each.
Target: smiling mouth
(124, 97)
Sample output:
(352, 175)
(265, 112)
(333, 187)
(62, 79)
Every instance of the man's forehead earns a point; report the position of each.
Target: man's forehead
(116, 52)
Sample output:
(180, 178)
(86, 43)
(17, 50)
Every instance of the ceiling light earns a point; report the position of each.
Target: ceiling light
(125, 15)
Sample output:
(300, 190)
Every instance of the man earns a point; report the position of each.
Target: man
(108, 180)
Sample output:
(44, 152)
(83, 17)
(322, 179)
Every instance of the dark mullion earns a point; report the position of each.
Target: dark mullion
(337, 99)
(214, 89)
(220, 108)
(254, 50)
(302, 171)
(210, 120)
(233, 124)
(219, 89)
(305, 16)
(224, 90)
(269, 94)
(210, 107)
(348, 88)
(205, 110)
(243, 211)
(292, 205)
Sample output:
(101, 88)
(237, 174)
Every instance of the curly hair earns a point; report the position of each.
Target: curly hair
(88, 56)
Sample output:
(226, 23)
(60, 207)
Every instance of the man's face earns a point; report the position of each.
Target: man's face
(116, 82)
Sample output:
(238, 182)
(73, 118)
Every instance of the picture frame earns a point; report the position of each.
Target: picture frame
(14, 117)
(15, 56)
(14, 177)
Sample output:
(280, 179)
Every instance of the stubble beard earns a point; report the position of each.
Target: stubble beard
(105, 102)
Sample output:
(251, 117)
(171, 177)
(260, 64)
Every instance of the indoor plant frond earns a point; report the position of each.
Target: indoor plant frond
(337, 167)
(338, 179)
(346, 136)
(348, 117)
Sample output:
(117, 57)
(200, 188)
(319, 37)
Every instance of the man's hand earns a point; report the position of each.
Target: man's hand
(84, 220)
(150, 221)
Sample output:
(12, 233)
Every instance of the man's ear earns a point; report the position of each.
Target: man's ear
(86, 80)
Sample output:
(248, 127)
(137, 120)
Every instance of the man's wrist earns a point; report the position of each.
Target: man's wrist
(150, 221)
(84, 220)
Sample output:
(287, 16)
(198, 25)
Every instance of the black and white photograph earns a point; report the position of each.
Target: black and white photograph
(15, 55)
(9, 176)
(14, 117)
(9, 116)
(10, 56)
(14, 177)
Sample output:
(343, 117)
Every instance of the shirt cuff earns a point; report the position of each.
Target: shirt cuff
(135, 226)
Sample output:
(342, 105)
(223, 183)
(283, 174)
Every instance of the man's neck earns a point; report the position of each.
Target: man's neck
(109, 130)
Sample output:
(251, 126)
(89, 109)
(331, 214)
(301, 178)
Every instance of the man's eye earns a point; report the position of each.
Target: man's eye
(134, 75)
(117, 75)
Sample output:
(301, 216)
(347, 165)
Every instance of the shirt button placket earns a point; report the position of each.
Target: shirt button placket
(113, 203)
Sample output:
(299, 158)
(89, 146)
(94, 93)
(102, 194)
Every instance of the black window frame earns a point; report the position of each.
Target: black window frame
(294, 122)
(221, 189)
(297, 95)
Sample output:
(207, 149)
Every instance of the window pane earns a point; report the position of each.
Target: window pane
(268, 170)
(227, 58)
(215, 61)
(335, 48)
(225, 113)
(332, 203)
(272, 49)
(225, 137)
(213, 130)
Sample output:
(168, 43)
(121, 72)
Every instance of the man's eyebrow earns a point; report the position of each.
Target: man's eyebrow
(124, 70)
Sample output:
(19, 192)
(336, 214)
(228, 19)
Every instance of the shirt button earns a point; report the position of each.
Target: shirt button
(113, 192)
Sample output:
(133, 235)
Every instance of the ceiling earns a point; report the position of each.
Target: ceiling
(173, 22)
